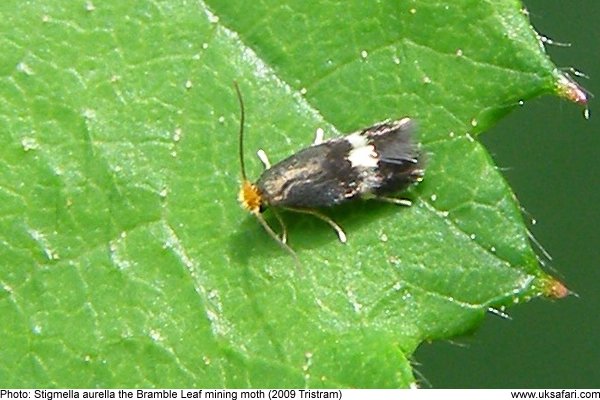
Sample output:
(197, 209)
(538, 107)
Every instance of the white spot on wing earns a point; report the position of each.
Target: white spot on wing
(362, 154)
(357, 140)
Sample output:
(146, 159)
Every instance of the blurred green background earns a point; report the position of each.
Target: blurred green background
(551, 157)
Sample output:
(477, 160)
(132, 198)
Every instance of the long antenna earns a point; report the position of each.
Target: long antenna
(242, 118)
(253, 190)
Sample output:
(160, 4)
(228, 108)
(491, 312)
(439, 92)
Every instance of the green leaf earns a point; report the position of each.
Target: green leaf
(126, 260)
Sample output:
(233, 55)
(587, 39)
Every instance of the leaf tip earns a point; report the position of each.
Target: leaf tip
(567, 88)
(555, 289)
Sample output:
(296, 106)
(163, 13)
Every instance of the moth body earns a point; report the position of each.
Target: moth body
(375, 162)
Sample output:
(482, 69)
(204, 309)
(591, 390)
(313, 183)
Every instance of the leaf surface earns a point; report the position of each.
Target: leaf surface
(126, 260)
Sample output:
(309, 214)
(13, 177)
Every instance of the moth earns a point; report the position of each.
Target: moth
(372, 163)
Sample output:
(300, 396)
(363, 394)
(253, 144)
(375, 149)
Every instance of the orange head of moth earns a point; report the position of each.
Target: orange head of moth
(250, 197)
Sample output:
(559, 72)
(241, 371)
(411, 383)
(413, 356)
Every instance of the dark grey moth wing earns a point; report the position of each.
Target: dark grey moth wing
(376, 161)
(318, 176)
(400, 162)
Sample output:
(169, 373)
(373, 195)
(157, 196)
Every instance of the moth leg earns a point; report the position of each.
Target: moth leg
(338, 229)
(393, 200)
(318, 136)
(262, 156)
(272, 233)
(283, 228)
